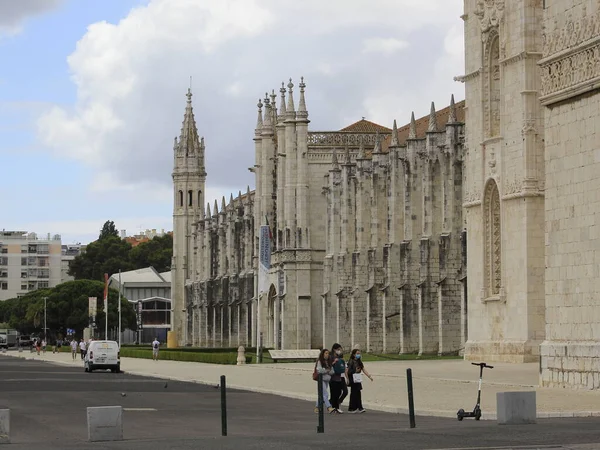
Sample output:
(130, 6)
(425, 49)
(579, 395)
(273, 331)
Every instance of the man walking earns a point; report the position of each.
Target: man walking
(82, 348)
(155, 345)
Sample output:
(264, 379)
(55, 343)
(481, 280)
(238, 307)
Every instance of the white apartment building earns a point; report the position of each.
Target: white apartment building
(28, 263)
(69, 253)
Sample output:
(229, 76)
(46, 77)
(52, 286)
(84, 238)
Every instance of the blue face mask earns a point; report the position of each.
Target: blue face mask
(357, 356)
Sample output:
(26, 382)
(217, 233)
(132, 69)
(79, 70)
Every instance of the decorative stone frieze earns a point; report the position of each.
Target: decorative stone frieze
(571, 56)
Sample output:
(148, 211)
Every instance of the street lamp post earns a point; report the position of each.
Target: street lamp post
(45, 328)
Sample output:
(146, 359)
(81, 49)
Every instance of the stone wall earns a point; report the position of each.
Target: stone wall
(571, 95)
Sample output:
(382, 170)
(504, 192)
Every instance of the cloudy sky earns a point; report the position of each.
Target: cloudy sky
(92, 93)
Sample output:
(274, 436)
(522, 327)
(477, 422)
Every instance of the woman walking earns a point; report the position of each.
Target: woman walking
(355, 370)
(323, 367)
(337, 385)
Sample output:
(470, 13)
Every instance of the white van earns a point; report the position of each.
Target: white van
(102, 355)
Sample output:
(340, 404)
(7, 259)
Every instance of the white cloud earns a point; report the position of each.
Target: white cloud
(387, 46)
(14, 12)
(131, 78)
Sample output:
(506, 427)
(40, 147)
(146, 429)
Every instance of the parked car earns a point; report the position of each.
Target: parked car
(102, 355)
(25, 340)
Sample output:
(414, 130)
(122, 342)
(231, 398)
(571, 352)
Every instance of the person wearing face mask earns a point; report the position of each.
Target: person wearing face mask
(337, 384)
(354, 374)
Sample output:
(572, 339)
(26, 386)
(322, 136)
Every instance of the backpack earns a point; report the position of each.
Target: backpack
(155, 345)
(315, 374)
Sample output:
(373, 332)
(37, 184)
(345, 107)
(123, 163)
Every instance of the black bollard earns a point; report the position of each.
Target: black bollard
(321, 426)
(411, 403)
(223, 408)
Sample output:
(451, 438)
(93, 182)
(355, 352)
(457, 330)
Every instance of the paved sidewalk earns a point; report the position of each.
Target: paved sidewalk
(441, 387)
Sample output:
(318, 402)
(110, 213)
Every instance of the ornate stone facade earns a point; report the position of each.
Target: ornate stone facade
(544, 161)
(367, 242)
(504, 169)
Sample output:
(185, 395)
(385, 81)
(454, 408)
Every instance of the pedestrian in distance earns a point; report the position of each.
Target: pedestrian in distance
(44, 345)
(82, 348)
(337, 385)
(74, 349)
(323, 367)
(155, 347)
(354, 374)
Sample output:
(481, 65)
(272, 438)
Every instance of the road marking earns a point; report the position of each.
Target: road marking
(140, 409)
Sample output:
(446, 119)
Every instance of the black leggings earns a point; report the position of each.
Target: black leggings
(355, 397)
(339, 391)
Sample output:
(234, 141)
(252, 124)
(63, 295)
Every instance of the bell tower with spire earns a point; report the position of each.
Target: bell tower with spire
(189, 178)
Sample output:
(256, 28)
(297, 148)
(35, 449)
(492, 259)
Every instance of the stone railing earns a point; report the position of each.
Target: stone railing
(342, 138)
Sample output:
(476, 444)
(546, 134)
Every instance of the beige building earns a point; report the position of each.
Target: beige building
(28, 263)
(532, 185)
(365, 245)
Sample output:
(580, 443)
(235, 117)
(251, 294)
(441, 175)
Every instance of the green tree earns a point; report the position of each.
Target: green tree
(67, 306)
(156, 252)
(108, 230)
(106, 255)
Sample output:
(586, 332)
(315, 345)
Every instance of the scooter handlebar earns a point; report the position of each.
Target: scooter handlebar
(483, 365)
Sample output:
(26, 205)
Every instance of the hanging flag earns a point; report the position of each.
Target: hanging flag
(269, 227)
(105, 292)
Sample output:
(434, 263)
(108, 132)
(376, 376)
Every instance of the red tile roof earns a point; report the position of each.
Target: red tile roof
(365, 126)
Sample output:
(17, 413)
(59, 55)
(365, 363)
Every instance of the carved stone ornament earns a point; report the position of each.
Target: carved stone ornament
(490, 13)
(571, 56)
(512, 186)
(557, 37)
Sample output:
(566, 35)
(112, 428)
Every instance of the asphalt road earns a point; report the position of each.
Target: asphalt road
(48, 411)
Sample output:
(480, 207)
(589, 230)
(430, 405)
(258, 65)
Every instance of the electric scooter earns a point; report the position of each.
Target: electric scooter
(476, 413)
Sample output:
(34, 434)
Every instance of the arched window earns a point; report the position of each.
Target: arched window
(190, 196)
(492, 93)
(180, 202)
(493, 239)
(200, 199)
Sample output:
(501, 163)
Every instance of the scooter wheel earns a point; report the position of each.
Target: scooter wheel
(460, 414)
(477, 414)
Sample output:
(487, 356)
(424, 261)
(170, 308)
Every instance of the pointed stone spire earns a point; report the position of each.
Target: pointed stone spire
(302, 104)
(274, 103)
(361, 150)
(377, 148)
(175, 144)
(202, 142)
(223, 206)
(432, 120)
(216, 210)
(282, 90)
(290, 106)
(240, 198)
(394, 142)
(347, 157)
(231, 199)
(412, 129)
(334, 160)
(267, 121)
(259, 120)
(189, 140)
(452, 115)
(208, 214)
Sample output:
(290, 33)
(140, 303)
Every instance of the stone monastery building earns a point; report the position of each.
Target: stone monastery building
(362, 235)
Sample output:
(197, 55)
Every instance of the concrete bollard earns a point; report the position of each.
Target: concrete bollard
(4, 426)
(105, 423)
(241, 359)
(513, 408)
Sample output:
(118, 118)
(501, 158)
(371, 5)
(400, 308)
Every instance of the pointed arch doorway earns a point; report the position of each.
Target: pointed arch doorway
(274, 319)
